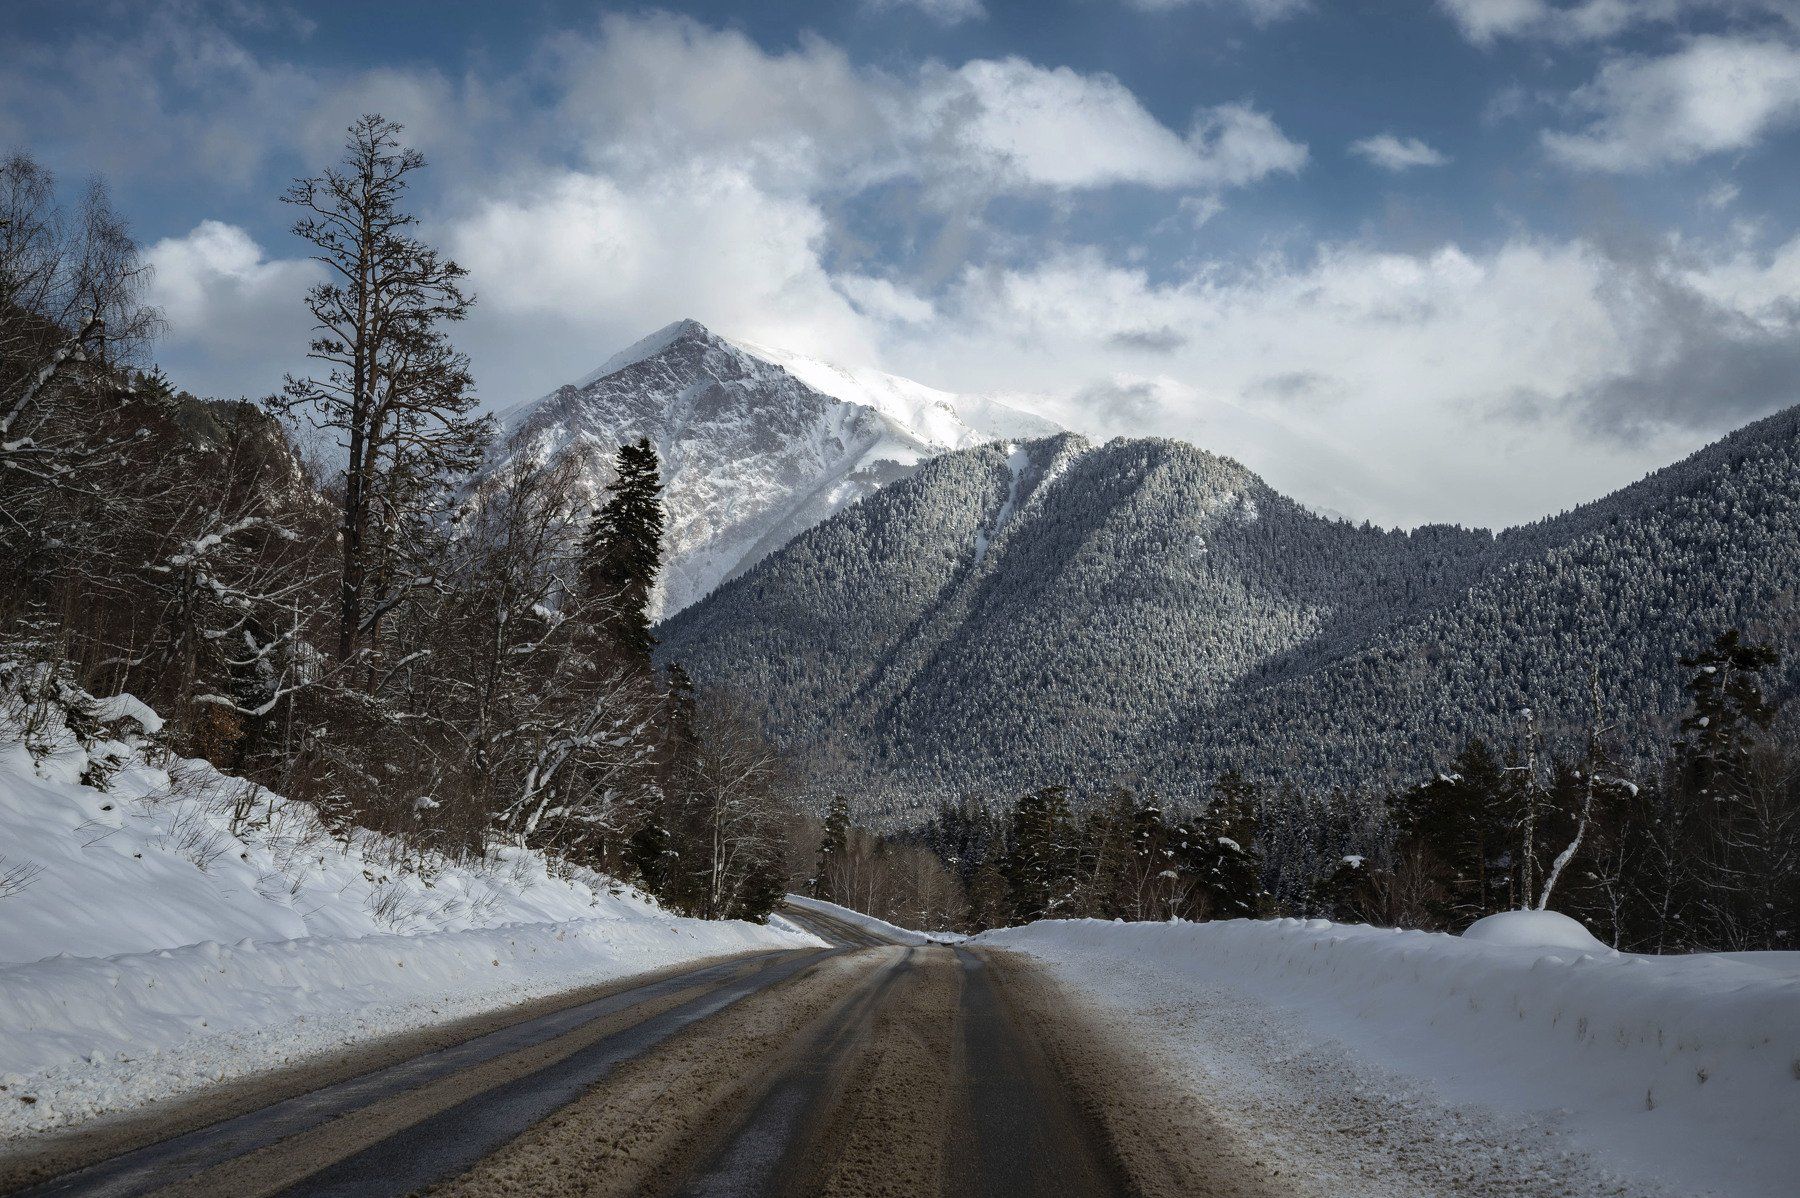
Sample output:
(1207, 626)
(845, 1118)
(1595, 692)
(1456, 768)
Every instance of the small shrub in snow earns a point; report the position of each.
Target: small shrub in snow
(192, 835)
(15, 876)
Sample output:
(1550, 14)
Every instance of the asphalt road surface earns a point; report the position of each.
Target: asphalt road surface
(863, 1068)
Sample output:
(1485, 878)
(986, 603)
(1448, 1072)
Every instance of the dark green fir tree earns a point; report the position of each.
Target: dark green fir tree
(622, 553)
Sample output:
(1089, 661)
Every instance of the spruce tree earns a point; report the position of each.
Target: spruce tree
(1040, 867)
(1350, 893)
(1728, 710)
(1733, 820)
(622, 553)
(1229, 866)
(1457, 827)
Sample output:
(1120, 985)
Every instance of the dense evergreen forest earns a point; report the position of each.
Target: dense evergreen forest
(1147, 614)
(1700, 852)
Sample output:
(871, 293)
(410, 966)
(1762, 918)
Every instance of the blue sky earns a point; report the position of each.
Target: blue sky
(1413, 260)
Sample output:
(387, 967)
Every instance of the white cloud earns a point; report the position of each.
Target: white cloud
(884, 301)
(1234, 144)
(1024, 126)
(1716, 94)
(1484, 21)
(1483, 387)
(651, 91)
(572, 266)
(945, 12)
(1487, 21)
(1720, 196)
(1392, 153)
(697, 174)
(236, 319)
(657, 91)
(707, 178)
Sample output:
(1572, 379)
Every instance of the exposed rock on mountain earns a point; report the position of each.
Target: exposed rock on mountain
(756, 444)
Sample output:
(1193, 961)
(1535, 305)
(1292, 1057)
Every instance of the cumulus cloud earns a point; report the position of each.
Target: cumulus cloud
(1581, 365)
(1393, 153)
(1023, 126)
(686, 171)
(235, 317)
(572, 266)
(659, 91)
(1715, 94)
(1234, 144)
(650, 91)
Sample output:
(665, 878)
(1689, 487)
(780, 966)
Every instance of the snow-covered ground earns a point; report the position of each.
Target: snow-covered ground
(1380, 1063)
(180, 927)
(880, 927)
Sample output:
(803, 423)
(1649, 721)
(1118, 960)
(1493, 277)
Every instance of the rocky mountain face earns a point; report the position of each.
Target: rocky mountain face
(1051, 611)
(756, 444)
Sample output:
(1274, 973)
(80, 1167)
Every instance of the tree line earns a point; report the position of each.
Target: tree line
(324, 592)
(1699, 852)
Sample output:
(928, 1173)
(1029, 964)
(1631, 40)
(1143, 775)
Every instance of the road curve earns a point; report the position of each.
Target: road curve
(864, 1067)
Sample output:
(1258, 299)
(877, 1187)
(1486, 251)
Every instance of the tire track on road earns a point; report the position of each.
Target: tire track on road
(183, 1159)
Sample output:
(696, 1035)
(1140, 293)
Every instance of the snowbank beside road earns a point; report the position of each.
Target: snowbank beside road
(1684, 1067)
(178, 927)
(83, 1036)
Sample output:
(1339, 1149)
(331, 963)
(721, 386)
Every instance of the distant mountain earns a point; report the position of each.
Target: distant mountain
(757, 444)
(1053, 611)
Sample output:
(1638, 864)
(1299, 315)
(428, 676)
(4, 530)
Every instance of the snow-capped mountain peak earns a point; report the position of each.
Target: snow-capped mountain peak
(646, 347)
(937, 420)
(757, 444)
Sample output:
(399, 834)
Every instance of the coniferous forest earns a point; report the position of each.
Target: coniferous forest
(1699, 852)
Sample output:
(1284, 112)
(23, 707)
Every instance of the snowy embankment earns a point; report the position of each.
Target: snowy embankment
(869, 923)
(1521, 1064)
(174, 927)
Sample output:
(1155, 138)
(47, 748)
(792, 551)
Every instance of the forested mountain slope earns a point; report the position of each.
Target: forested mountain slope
(1053, 611)
(755, 444)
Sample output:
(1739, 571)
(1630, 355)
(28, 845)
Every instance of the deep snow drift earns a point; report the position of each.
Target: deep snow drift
(1472, 1065)
(181, 927)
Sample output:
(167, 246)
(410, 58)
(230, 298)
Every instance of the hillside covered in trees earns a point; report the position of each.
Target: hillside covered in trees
(1145, 613)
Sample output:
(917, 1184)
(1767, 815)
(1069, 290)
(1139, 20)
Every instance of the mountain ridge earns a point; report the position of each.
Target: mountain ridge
(1163, 615)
